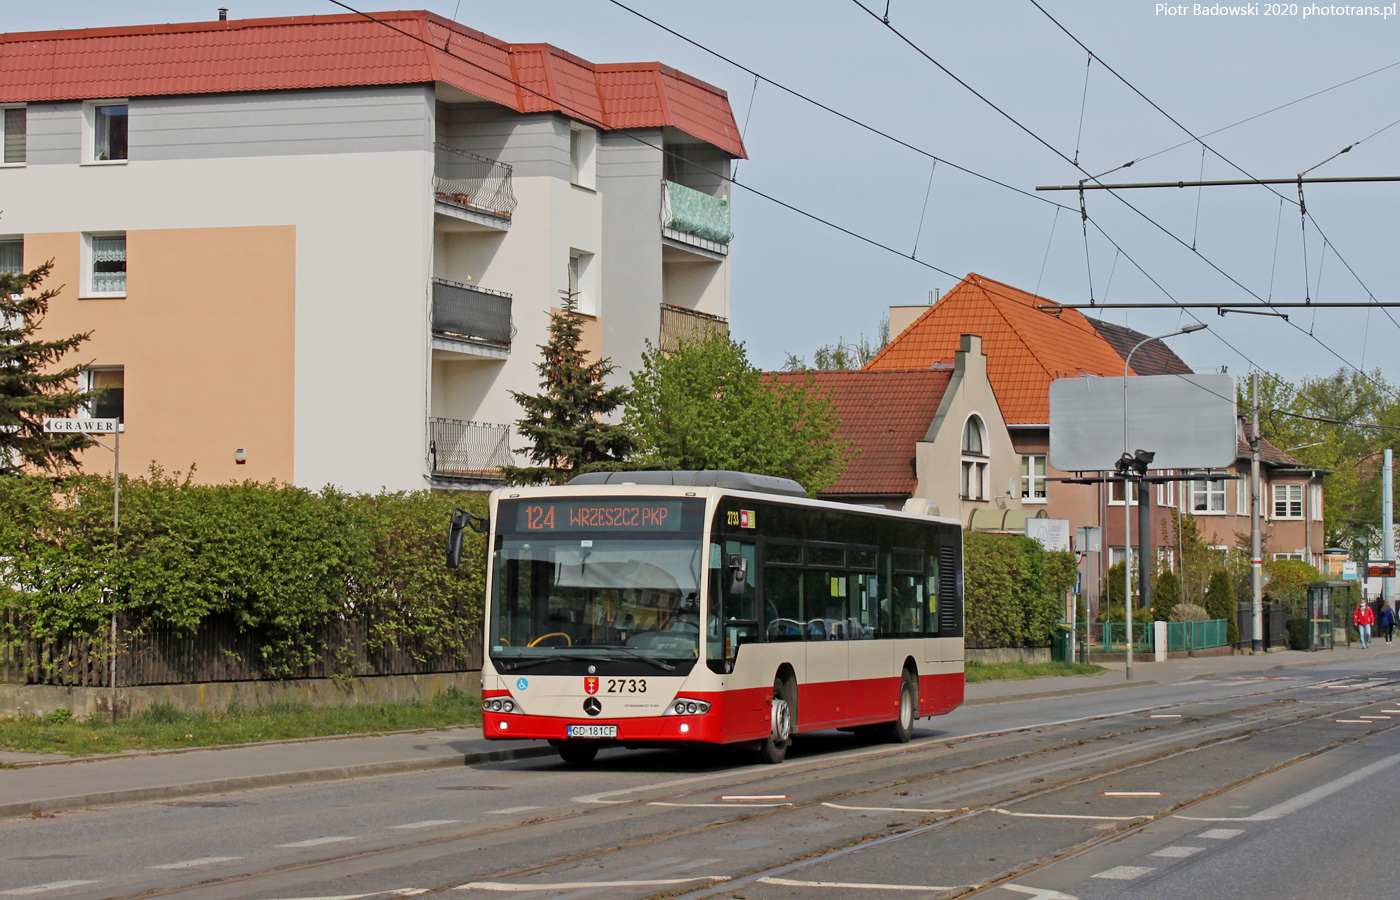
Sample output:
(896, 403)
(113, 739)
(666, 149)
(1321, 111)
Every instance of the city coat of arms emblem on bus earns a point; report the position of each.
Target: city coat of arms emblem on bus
(590, 684)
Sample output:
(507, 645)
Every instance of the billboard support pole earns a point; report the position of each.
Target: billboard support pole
(1256, 552)
(1388, 525)
(1144, 499)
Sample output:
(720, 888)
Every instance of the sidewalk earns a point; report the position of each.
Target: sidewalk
(50, 783)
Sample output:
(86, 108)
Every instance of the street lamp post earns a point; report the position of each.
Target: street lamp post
(1127, 514)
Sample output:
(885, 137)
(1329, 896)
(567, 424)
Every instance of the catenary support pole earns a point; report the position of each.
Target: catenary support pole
(1144, 499)
(1388, 525)
(1256, 560)
(1128, 577)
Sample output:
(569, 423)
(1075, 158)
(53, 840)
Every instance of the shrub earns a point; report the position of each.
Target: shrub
(1166, 595)
(1013, 590)
(1188, 612)
(1220, 604)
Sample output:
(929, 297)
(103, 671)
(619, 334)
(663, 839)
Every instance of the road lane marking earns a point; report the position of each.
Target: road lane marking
(1373, 717)
(396, 892)
(1307, 798)
(41, 888)
(1220, 834)
(1176, 851)
(742, 797)
(426, 823)
(191, 863)
(1166, 716)
(1352, 721)
(316, 842)
(1391, 710)
(894, 809)
(1038, 893)
(717, 805)
(862, 886)
(1026, 815)
(580, 885)
(511, 809)
(1132, 793)
(1125, 873)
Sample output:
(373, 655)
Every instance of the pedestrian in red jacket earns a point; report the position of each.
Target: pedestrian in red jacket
(1364, 619)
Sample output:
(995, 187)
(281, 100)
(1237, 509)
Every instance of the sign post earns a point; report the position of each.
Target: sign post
(88, 428)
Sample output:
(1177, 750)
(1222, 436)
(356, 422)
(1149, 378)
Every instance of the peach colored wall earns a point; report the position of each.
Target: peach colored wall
(205, 334)
(590, 335)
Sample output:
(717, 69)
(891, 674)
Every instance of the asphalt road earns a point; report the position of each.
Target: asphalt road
(1278, 787)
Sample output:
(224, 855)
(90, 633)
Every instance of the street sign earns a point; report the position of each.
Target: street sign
(1349, 571)
(1380, 568)
(1087, 539)
(1052, 534)
(81, 426)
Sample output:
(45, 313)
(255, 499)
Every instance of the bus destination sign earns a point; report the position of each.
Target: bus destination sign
(593, 515)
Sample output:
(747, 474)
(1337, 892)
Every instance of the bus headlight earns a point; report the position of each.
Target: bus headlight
(501, 705)
(685, 706)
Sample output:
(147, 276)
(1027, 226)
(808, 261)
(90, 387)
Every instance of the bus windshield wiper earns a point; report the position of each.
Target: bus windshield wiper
(525, 662)
(642, 656)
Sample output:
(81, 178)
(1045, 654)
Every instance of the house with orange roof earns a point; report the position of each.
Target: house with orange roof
(1028, 342)
(322, 249)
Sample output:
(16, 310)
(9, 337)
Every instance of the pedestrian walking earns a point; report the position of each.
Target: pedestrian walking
(1364, 619)
(1387, 623)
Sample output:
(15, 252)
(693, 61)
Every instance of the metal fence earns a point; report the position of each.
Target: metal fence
(1196, 635)
(474, 182)
(461, 449)
(216, 651)
(679, 323)
(472, 313)
(1112, 637)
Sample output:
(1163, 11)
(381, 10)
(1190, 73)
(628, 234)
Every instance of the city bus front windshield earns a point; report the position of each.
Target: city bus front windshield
(604, 597)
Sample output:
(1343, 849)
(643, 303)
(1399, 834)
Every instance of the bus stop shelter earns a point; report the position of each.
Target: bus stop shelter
(1329, 604)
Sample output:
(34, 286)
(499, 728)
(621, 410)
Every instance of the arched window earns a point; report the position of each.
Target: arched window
(972, 443)
(974, 460)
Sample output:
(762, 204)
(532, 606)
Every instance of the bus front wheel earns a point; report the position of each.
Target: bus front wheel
(774, 748)
(576, 753)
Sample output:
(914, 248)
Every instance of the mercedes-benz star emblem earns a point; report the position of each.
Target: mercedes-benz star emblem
(592, 706)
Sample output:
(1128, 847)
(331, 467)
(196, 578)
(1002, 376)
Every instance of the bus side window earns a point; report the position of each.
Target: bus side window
(742, 607)
(931, 590)
(782, 601)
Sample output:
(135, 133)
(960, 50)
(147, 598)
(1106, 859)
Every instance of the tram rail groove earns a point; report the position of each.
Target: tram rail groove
(932, 822)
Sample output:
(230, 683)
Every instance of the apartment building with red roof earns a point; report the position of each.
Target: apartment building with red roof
(1029, 341)
(323, 249)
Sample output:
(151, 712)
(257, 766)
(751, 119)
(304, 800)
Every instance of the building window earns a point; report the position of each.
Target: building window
(1115, 557)
(1298, 555)
(1033, 478)
(1115, 493)
(1288, 501)
(1242, 496)
(106, 131)
(11, 254)
(583, 142)
(1166, 494)
(14, 136)
(974, 469)
(581, 286)
(1207, 496)
(111, 382)
(1315, 502)
(106, 265)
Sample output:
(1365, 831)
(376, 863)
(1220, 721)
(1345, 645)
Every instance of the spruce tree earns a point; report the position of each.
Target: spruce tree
(565, 424)
(32, 385)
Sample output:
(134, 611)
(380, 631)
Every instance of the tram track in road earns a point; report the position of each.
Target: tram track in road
(541, 830)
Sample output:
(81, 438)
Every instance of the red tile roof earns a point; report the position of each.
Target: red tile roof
(345, 50)
(884, 414)
(1152, 358)
(1026, 348)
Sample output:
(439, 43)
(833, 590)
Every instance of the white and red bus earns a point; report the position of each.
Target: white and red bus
(668, 608)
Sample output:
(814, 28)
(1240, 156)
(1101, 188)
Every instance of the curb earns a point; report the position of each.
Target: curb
(38, 808)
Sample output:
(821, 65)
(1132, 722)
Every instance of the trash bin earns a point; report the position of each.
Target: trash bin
(1060, 644)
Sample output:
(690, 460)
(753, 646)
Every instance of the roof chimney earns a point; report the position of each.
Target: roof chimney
(223, 14)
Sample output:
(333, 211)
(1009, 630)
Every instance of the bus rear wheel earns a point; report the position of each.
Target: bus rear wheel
(774, 748)
(902, 729)
(576, 753)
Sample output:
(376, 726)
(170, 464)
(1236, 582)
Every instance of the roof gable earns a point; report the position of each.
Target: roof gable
(1026, 347)
(883, 414)
(302, 52)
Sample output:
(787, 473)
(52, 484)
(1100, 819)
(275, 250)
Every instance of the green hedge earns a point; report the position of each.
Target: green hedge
(1014, 590)
(278, 560)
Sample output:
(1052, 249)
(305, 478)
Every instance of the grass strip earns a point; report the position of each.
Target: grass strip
(1019, 671)
(163, 727)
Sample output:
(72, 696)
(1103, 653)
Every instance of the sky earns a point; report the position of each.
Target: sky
(798, 284)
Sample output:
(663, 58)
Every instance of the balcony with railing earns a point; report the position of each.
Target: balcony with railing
(695, 220)
(471, 320)
(464, 453)
(680, 323)
(472, 190)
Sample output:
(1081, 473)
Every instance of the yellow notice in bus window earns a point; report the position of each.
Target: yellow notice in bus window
(838, 585)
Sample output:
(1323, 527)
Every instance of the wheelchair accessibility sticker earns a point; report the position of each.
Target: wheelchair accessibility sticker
(522, 683)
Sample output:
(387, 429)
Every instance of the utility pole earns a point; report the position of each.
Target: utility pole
(1256, 554)
(1387, 526)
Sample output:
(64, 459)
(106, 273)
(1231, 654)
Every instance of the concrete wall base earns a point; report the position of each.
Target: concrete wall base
(1009, 654)
(122, 702)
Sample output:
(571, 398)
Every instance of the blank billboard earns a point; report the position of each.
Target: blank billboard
(1189, 421)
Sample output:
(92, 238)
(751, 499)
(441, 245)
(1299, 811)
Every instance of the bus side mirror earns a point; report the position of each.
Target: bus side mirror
(738, 568)
(461, 519)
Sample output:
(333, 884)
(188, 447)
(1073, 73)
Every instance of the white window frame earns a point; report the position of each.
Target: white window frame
(1166, 494)
(1296, 554)
(1288, 501)
(89, 157)
(973, 476)
(583, 281)
(1242, 496)
(1211, 488)
(25, 161)
(17, 239)
(87, 382)
(583, 156)
(85, 288)
(1315, 502)
(1116, 487)
(1030, 480)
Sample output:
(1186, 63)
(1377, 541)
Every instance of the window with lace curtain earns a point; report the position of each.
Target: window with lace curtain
(105, 274)
(14, 135)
